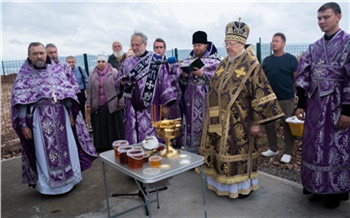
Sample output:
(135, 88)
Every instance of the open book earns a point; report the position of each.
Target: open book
(197, 62)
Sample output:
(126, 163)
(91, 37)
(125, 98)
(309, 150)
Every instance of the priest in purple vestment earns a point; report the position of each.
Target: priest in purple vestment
(151, 87)
(195, 88)
(323, 88)
(56, 145)
(174, 70)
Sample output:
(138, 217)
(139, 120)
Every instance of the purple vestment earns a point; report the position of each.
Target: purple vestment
(174, 77)
(324, 74)
(44, 91)
(163, 94)
(194, 98)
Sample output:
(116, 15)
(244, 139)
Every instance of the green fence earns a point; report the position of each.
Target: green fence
(89, 61)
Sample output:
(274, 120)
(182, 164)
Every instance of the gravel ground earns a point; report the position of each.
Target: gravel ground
(290, 175)
(273, 166)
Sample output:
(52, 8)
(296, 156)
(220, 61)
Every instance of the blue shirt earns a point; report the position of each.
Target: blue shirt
(79, 77)
(279, 71)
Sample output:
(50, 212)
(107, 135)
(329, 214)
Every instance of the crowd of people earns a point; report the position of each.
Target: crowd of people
(223, 106)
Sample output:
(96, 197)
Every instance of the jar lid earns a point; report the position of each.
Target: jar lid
(125, 148)
(120, 142)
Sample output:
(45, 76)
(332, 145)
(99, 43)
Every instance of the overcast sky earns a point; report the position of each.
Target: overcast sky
(91, 27)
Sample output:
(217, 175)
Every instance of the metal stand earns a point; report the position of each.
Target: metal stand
(143, 193)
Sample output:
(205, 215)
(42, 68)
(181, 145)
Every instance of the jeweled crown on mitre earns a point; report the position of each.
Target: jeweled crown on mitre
(237, 31)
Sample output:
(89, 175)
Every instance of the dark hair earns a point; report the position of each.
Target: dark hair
(70, 57)
(330, 5)
(34, 44)
(50, 45)
(159, 40)
(283, 37)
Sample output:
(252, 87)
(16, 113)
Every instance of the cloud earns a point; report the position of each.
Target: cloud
(91, 27)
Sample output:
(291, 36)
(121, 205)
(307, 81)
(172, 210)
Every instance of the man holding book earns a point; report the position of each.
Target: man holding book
(194, 84)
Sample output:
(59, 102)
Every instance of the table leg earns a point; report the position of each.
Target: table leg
(148, 201)
(203, 192)
(157, 196)
(105, 185)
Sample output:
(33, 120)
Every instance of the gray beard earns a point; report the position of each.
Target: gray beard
(118, 54)
(40, 64)
(231, 59)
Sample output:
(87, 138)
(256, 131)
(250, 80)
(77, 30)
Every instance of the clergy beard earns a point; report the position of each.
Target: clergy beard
(118, 54)
(39, 65)
(231, 59)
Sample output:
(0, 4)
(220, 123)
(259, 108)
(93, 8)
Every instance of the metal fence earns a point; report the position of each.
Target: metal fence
(88, 61)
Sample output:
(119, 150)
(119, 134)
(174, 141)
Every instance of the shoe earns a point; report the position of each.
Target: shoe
(269, 153)
(315, 198)
(344, 196)
(286, 158)
(242, 196)
(331, 203)
(306, 192)
(32, 185)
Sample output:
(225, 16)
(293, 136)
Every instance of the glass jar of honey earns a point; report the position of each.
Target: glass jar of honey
(116, 144)
(135, 158)
(122, 150)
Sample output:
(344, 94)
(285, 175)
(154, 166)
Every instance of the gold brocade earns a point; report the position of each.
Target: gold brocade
(229, 179)
(230, 154)
(240, 72)
(219, 71)
(263, 100)
(214, 111)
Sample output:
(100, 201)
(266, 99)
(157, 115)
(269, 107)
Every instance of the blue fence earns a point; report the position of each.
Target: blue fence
(13, 66)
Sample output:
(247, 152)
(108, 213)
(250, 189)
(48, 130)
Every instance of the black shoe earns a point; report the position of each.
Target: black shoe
(32, 185)
(306, 192)
(331, 203)
(315, 198)
(241, 196)
(344, 196)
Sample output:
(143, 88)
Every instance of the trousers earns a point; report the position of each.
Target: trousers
(287, 107)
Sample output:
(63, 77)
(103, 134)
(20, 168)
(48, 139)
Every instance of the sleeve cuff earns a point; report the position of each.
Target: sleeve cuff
(22, 122)
(301, 98)
(345, 109)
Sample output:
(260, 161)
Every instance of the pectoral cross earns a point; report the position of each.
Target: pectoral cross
(149, 84)
(318, 68)
(320, 62)
(54, 98)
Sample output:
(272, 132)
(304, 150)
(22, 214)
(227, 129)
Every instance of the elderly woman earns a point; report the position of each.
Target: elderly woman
(239, 100)
(106, 118)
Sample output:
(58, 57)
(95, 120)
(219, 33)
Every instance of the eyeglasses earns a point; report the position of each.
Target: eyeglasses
(136, 45)
(101, 61)
(158, 47)
(229, 44)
